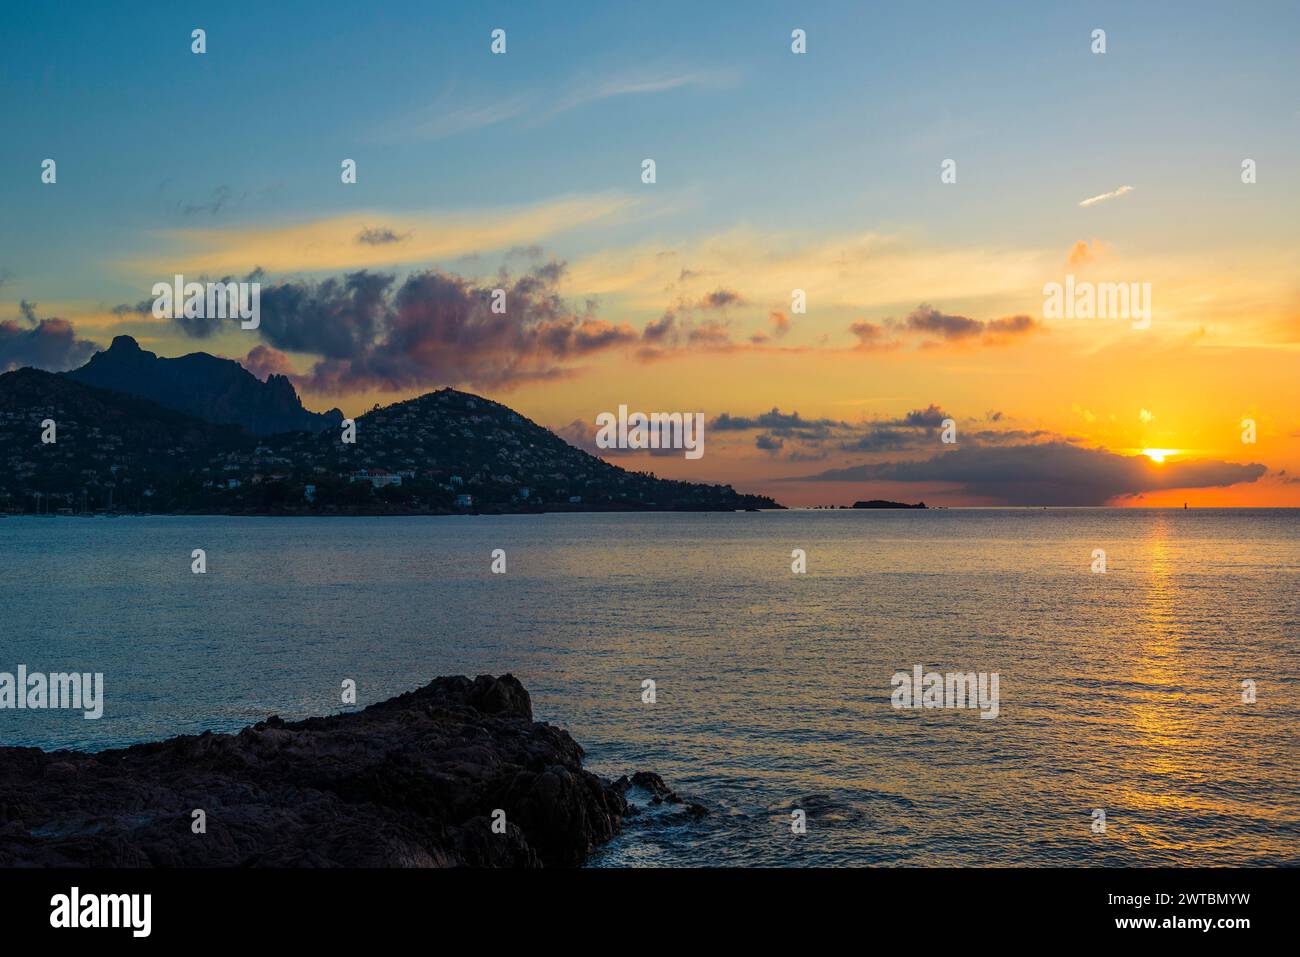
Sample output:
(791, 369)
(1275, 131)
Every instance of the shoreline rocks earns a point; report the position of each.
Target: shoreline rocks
(409, 782)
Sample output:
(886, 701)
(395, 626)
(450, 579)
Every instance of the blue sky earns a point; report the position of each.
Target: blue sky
(743, 132)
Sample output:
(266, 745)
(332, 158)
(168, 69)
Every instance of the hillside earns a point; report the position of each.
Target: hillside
(106, 444)
(204, 386)
(443, 452)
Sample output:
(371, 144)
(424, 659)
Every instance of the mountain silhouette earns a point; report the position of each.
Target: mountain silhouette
(439, 453)
(204, 386)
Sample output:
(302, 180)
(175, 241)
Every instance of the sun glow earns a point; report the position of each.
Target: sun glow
(1158, 455)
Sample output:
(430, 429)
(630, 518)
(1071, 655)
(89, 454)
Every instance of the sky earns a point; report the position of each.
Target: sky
(775, 171)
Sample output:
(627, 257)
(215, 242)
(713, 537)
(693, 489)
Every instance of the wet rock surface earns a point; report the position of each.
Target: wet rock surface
(410, 782)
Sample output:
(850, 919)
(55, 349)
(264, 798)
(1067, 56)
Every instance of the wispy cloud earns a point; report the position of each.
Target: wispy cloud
(1102, 197)
(450, 116)
(587, 92)
(355, 242)
(446, 118)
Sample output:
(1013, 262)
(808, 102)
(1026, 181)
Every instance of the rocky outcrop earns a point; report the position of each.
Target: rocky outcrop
(410, 782)
(207, 387)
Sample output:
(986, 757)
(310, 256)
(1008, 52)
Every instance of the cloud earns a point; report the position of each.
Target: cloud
(870, 335)
(931, 417)
(1102, 197)
(333, 244)
(935, 327)
(264, 362)
(379, 236)
(1048, 473)
(450, 116)
(841, 273)
(927, 319)
(805, 439)
(1082, 253)
(776, 421)
(582, 435)
(677, 328)
(997, 331)
(369, 331)
(585, 91)
(51, 344)
(446, 117)
(721, 299)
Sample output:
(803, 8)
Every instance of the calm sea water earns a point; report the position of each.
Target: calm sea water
(1119, 691)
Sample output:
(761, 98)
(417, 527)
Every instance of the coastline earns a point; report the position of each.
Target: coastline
(419, 780)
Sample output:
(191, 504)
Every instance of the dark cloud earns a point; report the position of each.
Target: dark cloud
(194, 328)
(880, 440)
(659, 329)
(339, 319)
(939, 327)
(372, 330)
(720, 299)
(1048, 473)
(1010, 326)
(927, 319)
(928, 418)
(712, 333)
(809, 439)
(380, 236)
(49, 344)
(776, 422)
(368, 331)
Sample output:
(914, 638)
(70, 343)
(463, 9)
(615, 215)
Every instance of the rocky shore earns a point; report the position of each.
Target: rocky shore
(411, 782)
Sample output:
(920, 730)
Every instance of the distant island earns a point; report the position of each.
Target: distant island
(139, 434)
(881, 503)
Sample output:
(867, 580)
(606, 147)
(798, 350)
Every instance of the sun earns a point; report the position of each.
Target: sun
(1158, 455)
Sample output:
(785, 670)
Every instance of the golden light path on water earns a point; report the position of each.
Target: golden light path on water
(1119, 692)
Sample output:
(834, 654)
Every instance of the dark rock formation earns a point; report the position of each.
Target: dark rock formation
(659, 793)
(207, 387)
(881, 503)
(410, 782)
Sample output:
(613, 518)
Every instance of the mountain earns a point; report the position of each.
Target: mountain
(204, 386)
(443, 452)
(102, 441)
(465, 444)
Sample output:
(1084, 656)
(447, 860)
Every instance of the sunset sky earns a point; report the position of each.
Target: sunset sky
(775, 172)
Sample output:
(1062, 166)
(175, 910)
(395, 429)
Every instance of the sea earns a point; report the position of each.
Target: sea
(1147, 663)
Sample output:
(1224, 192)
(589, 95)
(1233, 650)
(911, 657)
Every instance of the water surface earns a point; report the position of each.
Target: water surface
(1119, 691)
